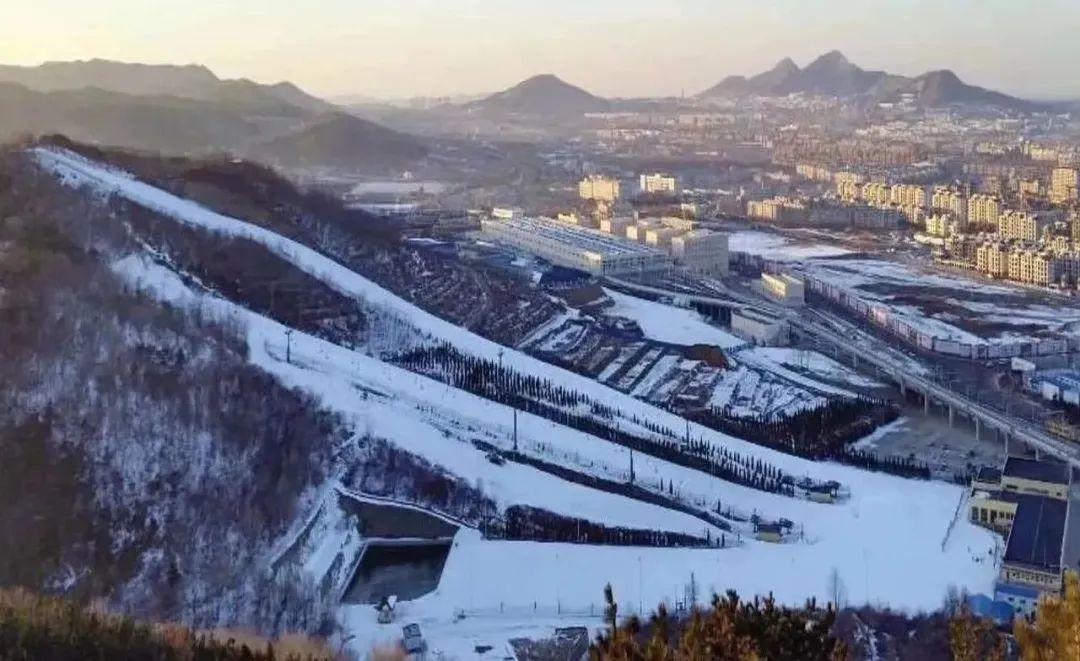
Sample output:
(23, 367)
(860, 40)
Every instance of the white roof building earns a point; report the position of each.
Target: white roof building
(577, 247)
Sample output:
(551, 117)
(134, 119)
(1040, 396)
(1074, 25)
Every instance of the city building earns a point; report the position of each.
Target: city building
(658, 183)
(940, 224)
(784, 288)
(876, 194)
(683, 224)
(1064, 184)
(577, 247)
(616, 226)
(951, 200)
(1023, 225)
(636, 232)
(661, 236)
(759, 326)
(1029, 188)
(983, 209)
(908, 195)
(599, 188)
(702, 251)
(779, 210)
(814, 172)
(1027, 502)
(991, 258)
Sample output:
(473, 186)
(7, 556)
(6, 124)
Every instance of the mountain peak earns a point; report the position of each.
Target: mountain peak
(786, 65)
(834, 59)
(543, 94)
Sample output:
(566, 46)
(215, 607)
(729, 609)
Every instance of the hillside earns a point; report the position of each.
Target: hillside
(832, 74)
(343, 141)
(545, 95)
(188, 82)
(430, 410)
(154, 123)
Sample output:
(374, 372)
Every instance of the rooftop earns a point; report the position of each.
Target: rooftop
(757, 315)
(1038, 533)
(579, 237)
(1041, 471)
(989, 475)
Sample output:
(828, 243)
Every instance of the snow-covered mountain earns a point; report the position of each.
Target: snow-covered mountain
(423, 413)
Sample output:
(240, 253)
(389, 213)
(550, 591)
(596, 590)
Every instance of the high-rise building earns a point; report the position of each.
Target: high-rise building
(876, 194)
(940, 224)
(1064, 185)
(908, 195)
(599, 188)
(983, 209)
(1022, 225)
(952, 200)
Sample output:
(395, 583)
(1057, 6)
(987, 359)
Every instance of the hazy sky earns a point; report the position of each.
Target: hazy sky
(395, 48)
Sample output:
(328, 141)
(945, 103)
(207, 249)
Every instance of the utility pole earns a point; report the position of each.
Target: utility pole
(288, 345)
(515, 431)
(631, 465)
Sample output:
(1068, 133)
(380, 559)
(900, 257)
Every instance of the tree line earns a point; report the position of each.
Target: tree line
(538, 396)
(522, 522)
(822, 433)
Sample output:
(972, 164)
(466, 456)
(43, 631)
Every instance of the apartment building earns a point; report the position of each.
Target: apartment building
(992, 258)
(658, 183)
(1064, 184)
(599, 188)
(876, 194)
(780, 210)
(983, 209)
(1022, 225)
(814, 172)
(940, 224)
(908, 195)
(951, 200)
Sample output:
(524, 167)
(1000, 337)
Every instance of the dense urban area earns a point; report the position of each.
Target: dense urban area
(483, 378)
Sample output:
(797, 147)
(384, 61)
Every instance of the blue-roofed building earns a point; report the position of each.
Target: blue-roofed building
(1030, 507)
(1000, 611)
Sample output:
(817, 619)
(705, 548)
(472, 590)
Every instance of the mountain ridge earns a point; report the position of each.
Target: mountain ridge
(832, 74)
(189, 81)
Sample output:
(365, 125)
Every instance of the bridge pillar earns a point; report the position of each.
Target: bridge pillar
(952, 413)
(903, 390)
(978, 429)
(926, 403)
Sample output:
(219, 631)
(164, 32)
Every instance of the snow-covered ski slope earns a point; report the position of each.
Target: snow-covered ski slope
(886, 542)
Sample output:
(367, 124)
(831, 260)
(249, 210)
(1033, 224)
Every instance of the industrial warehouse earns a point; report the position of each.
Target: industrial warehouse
(578, 247)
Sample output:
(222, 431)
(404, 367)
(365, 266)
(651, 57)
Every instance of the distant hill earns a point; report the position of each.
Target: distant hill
(166, 124)
(543, 95)
(187, 81)
(343, 141)
(832, 74)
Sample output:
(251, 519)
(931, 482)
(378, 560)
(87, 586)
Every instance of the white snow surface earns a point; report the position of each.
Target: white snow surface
(887, 542)
(779, 248)
(667, 323)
